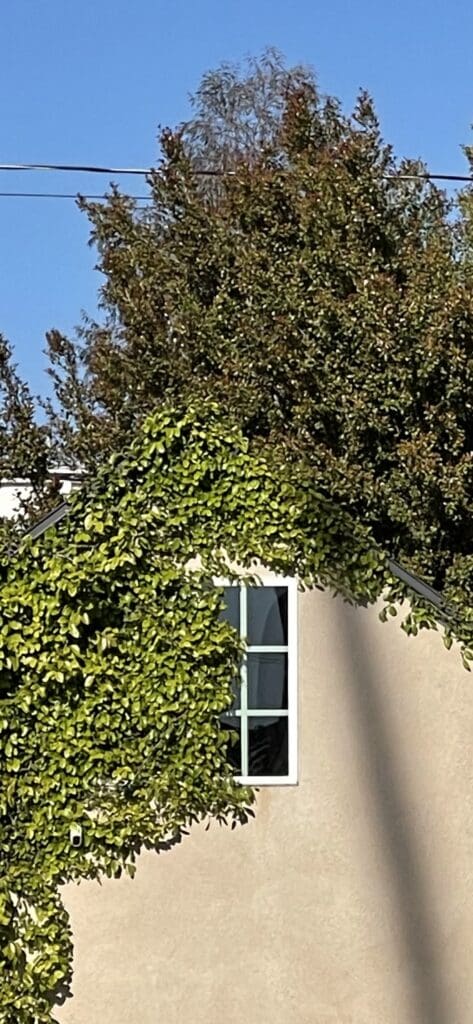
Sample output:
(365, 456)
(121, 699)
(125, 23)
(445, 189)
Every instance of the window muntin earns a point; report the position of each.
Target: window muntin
(264, 713)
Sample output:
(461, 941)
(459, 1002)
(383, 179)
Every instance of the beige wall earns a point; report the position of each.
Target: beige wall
(349, 899)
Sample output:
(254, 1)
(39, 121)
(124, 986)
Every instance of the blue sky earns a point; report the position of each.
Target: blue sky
(90, 82)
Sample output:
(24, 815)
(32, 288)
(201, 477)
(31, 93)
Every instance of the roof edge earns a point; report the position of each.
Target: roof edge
(50, 519)
(411, 580)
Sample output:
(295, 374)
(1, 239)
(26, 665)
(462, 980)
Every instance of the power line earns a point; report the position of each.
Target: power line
(422, 176)
(80, 168)
(86, 169)
(428, 177)
(208, 172)
(61, 195)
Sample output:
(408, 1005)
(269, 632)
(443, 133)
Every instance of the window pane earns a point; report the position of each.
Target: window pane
(231, 609)
(267, 681)
(268, 746)
(267, 616)
(232, 725)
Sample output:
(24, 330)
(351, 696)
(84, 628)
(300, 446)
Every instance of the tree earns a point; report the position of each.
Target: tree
(237, 116)
(25, 450)
(323, 299)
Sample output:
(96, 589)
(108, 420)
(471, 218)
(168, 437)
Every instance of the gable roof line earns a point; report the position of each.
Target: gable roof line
(50, 519)
(416, 583)
(404, 575)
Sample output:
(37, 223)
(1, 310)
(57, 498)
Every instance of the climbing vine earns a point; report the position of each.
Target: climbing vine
(115, 667)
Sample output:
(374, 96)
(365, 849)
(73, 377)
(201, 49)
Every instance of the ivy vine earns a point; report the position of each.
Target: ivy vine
(115, 667)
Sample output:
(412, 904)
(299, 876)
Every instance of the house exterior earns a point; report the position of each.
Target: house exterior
(348, 899)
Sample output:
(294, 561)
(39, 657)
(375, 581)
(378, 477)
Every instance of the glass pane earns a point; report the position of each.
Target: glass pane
(267, 681)
(232, 725)
(267, 616)
(268, 746)
(231, 610)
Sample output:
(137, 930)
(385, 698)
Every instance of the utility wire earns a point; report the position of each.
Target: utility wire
(60, 195)
(75, 167)
(144, 171)
(428, 177)
(80, 168)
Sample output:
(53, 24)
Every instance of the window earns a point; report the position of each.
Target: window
(264, 712)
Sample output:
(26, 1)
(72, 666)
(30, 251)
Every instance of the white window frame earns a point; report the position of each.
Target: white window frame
(267, 580)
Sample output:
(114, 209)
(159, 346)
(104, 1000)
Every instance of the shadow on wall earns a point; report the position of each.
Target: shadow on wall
(424, 973)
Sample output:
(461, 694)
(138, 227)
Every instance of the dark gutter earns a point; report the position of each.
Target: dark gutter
(48, 520)
(415, 583)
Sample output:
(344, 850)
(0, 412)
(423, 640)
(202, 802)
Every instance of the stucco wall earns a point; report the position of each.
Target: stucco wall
(349, 899)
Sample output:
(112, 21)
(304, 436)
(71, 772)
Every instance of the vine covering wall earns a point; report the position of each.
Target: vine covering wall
(115, 668)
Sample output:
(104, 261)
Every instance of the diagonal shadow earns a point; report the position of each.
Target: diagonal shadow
(410, 891)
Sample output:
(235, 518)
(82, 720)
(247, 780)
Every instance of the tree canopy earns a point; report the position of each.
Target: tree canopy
(321, 296)
(24, 444)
